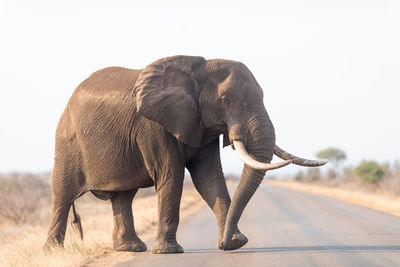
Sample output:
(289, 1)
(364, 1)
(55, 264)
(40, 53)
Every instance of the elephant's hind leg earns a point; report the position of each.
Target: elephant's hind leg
(65, 191)
(124, 235)
(68, 183)
(58, 224)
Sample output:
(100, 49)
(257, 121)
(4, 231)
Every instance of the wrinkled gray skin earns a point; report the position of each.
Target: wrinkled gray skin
(127, 129)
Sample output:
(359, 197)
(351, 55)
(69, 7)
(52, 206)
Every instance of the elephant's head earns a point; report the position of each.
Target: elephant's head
(194, 99)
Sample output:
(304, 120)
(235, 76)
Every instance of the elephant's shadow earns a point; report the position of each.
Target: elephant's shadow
(328, 248)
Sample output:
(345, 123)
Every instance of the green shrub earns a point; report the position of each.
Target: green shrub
(369, 171)
(299, 176)
(313, 175)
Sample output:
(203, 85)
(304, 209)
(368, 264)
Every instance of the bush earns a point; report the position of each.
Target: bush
(369, 171)
(331, 174)
(313, 175)
(348, 171)
(22, 196)
(299, 176)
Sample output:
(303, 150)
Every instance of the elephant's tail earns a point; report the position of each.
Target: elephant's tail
(76, 223)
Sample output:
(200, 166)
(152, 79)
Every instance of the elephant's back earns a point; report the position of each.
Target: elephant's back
(109, 80)
(104, 92)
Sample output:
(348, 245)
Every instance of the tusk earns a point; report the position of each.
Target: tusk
(296, 160)
(252, 163)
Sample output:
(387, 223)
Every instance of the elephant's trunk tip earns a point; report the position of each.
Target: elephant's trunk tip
(227, 239)
(225, 246)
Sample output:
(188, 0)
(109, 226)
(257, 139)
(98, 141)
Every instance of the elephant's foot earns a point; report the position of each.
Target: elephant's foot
(166, 247)
(135, 246)
(238, 241)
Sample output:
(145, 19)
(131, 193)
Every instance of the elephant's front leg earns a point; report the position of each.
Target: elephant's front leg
(208, 178)
(169, 191)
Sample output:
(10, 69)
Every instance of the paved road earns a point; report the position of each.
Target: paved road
(289, 228)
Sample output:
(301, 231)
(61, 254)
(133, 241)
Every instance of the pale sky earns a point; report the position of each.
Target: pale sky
(330, 70)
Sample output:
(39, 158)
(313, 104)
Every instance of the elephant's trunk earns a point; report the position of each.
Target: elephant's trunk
(260, 144)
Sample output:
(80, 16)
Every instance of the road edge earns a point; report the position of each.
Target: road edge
(374, 201)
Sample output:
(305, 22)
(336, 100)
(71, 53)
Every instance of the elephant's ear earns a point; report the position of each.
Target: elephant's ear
(166, 92)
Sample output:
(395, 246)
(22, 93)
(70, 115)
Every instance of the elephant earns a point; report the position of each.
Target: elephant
(125, 129)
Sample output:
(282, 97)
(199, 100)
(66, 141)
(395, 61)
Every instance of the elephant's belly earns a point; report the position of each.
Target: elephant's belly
(119, 179)
(128, 183)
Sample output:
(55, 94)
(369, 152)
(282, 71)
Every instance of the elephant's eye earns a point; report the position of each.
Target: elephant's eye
(225, 100)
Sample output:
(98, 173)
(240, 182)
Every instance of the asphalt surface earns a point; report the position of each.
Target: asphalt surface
(289, 228)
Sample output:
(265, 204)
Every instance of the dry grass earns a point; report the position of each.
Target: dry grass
(389, 186)
(378, 200)
(22, 196)
(21, 243)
